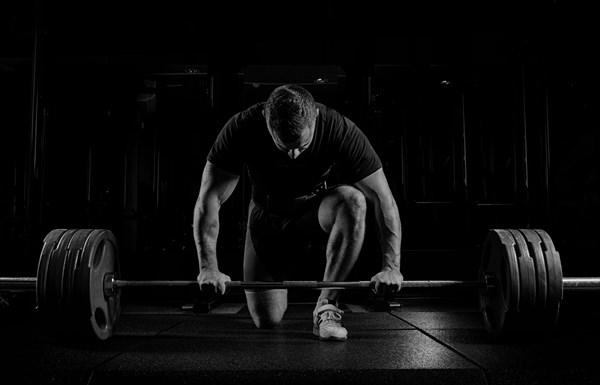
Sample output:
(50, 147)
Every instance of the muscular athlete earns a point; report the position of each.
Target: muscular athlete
(290, 144)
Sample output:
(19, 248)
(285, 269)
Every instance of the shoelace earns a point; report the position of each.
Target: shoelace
(330, 317)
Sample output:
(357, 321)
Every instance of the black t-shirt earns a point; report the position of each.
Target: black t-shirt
(337, 141)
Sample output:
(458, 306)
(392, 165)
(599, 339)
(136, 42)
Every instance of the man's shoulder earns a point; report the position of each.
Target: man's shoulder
(335, 122)
(330, 116)
(327, 111)
(247, 120)
(250, 113)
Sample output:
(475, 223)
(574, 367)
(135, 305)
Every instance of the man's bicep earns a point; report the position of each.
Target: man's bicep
(375, 186)
(217, 183)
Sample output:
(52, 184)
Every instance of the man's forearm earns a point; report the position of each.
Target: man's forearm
(206, 232)
(389, 230)
(215, 188)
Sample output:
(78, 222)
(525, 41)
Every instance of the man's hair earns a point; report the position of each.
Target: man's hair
(289, 110)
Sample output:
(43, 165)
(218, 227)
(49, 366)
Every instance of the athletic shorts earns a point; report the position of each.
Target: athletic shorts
(283, 243)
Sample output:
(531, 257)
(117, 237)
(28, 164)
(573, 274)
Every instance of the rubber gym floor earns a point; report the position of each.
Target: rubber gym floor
(428, 339)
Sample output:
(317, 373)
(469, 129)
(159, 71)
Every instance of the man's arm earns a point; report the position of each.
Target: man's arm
(389, 230)
(216, 187)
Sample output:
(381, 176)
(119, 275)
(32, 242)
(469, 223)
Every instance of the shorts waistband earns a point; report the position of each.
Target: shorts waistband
(285, 205)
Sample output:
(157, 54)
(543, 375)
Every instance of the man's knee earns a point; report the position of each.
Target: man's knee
(351, 201)
(267, 307)
(344, 202)
(266, 320)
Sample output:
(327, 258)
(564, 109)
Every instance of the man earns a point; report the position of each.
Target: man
(290, 144)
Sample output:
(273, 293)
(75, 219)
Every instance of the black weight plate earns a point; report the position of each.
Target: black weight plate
(54, 277)
(72, 260)
(499, 260)
(535, 252)
(50, 244)
(527, 281)
(555, 278)
(99, 257)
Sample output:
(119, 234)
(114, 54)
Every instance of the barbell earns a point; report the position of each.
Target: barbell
(78, 285)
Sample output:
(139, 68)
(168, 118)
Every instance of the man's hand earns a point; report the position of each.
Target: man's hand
(387, 281)
(213, 278)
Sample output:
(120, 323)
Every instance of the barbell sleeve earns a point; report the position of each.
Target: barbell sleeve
(581, 284)
(18, 283)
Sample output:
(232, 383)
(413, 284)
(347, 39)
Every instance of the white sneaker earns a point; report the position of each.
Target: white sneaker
(327, 323)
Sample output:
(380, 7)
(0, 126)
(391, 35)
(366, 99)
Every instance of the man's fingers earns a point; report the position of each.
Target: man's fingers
(392, 289)
(376, 287)
(208, 287)
(222, 287)
(386, 290)
(216, 287)
(386, 287)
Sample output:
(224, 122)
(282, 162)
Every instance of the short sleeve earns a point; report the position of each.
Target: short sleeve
(226, 150)
(358, 158)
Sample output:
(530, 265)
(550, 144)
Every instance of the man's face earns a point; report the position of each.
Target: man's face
(294, 149)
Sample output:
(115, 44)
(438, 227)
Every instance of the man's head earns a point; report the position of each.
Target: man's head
(291, 113)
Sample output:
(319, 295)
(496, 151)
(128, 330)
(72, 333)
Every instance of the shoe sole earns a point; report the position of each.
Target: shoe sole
(316, 334)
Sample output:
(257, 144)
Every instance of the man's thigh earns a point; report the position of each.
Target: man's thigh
(277, 246)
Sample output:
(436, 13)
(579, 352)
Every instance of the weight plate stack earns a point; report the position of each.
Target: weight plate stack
(70, 291)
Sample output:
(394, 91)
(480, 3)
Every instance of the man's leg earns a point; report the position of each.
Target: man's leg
(266, 307)
(342, 215)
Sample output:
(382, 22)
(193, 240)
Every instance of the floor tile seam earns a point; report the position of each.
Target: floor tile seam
(447, 346)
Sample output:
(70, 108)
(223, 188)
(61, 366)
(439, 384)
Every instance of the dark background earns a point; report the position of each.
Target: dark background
(484, 115)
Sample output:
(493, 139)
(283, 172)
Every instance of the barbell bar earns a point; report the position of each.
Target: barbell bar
(110, 283)
(520, 281)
